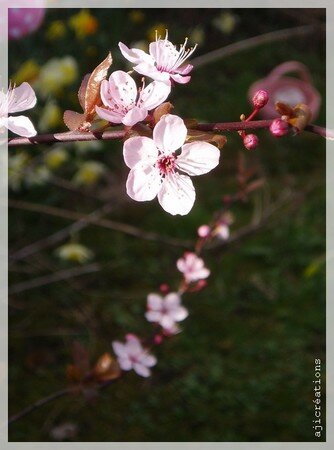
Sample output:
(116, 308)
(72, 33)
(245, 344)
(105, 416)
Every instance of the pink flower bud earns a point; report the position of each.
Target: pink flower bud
(204, 231)
(279, 128)
(158, 339)
(260, 99)
(164, 288)
(251, 141)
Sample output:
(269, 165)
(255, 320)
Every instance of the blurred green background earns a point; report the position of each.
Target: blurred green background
(243, 367)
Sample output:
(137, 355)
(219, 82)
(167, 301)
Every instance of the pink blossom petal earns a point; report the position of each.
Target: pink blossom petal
(139, 149)
(148, 360)
(143, 183)
(125, 363)
(164, 53)
(198, 158)
(21, 98)
(142, 370)
(177, 194)
(172, 300)
(184, 70)
(151, 71)
(154, 301)
(20, 125)
(110, 116)
(106, 96)
(180, 78)
(153, 316)
(167, 321)
(123, 89)
(134, 55)
(169, 133)
(134, 116)
(119, 348)
(154, 94)
(179, 313)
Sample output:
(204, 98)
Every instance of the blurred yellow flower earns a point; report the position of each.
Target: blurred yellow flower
(197, 36)
(56, 30)
(136, 16)
(158, 29)
(84, 23)
(74, 252)
(28, 71)
(56, 157)
(226, 22)
(89, 173)
(55, 74)
(51, 117)
(37, 176)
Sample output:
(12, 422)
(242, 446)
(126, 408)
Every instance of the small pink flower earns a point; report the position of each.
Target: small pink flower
(164, 61)
(192, 267)
(165, 311)
(16, 100)
(222, 229)
(204, 231)
(156, 165)
(132, 355)
(123, 103)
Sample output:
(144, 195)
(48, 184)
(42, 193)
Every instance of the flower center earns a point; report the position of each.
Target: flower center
(166, 164)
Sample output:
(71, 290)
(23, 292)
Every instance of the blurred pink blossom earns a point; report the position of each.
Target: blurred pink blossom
(165, 311)
(192, 267)
(16, 100)
(123, 104)
(132, 355)
(155, 165)
(24, 20)
(164, 61)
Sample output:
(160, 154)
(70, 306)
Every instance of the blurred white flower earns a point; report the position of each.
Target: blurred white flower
(51, 116)
(192, 267)
(55, 74)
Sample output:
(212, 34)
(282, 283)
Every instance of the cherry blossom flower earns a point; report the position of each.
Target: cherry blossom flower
(132, 355)
(123, 103)
(222, 229)
(192, 267)
(165, 311)
(164, 62)
(16, 100)
(156, 165)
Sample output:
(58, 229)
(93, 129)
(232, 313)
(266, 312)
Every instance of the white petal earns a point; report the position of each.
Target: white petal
(154, 301)
(177, 194)
(134, 116)
(169, 133)
(143, 183)
(198, 158)
(139, 148)
(149, 70)
(123, 89)
(21, 98)
(180, 78)
(142, 370)
(134, 55)
(20, 125)
(154, 94)
(164, 52)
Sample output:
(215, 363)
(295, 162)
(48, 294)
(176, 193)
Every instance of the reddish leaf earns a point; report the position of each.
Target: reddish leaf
(283, 109)
(82, 90)
(74, 120)
(161, 110)
(302, 116)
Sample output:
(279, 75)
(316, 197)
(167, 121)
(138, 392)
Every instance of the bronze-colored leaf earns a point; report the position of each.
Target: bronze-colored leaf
(283, 109)
(218, 140)
(161, 110)
(82, 90)
(106, 368)
(73, 120)
(302, 116)
(190, 123)
(92, 94)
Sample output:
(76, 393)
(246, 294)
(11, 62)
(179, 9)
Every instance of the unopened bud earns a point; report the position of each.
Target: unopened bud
(251, 141)
(279, 128)
(260, 99)
(204, 231)
(158, 339)
(164, 288)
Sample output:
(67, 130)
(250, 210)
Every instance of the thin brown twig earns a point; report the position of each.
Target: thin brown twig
(105, 223)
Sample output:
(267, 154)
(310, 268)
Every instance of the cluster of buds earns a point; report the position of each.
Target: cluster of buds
(260, 99)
